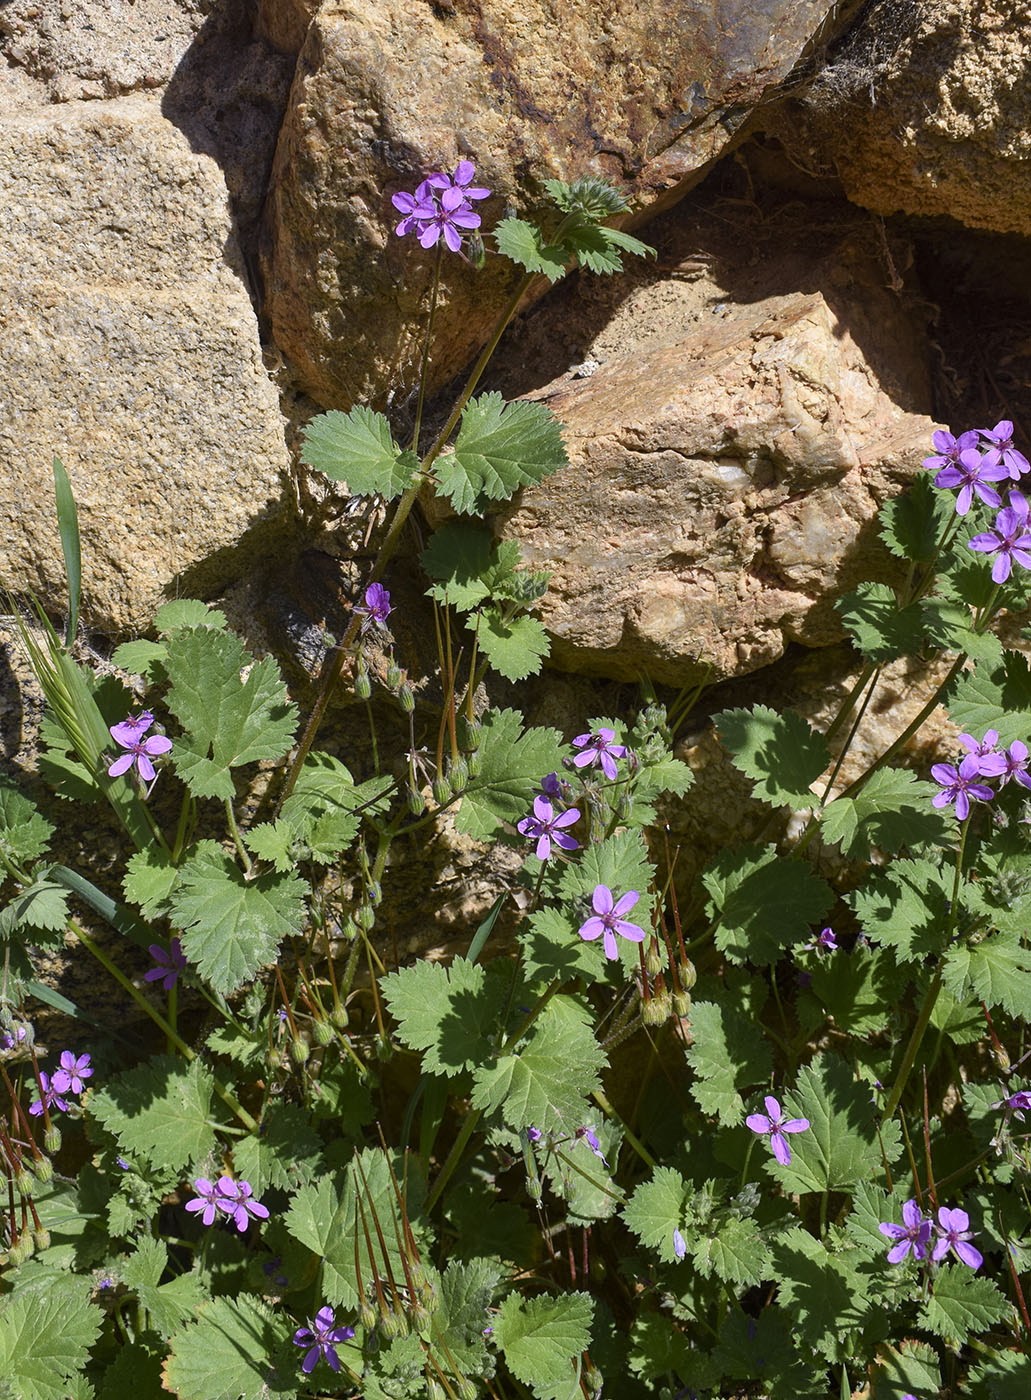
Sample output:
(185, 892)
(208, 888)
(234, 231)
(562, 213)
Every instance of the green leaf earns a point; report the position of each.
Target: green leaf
(891, 810)
(149, 880)
(858, 990)
(450, 1014)
(905, 907)
(142, 658)
(281, 1153)
(841, 1146)
(188, 612)
(544, 1080)
(827, 1294)
(524, 244)
(994, 698)
(357, 447)
(135, 1371)
(911, 1368)
(882, 630)
(237, 1349)
(766, 902)
(228, 721)
(324, 1217)
(727, 1053)
(589, 196)
(542, 1339)
(912, 523)
(275, 843)
(456, 1333)
(24, 833)
(962, 1304)
(657, 1208)
(68, 529)
(779, 751)
(1004, 1376)
(515, 649)
(459, 557)
(45, 1338)
(947, 624)
(42, 907)
(512, 764)
(996, 970)
(159, 1110)
(324, 805)
(600, 249)
(621, 863)
(231, 927)
(552, 948)
(500, 447)
(170, 1304)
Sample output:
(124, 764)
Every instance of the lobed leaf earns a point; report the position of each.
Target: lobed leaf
(542, 1339)
(160, 1111)
(450, 1014)
(780, 752)
(237, 1349)
(45, 1338)
(515, 648)
(500, 447)
(765, 902)
(512, 764)
(892, 810)
(357, 447)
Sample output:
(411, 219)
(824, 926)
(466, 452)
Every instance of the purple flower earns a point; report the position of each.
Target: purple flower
(440, 207)
(415, 208)
(914, 1234)
(169, 965)
(954, 1234)
(321, 1336)
(947, 449)
(376, 608)
(551, 788)
(1016, 759)
(1008, 540)
(235, 1199)
(991, 763)
(958, 785)
(827, 940)
(547, 827)
(970, 473)
(679, 1244)
(591, 1140)
(1002, 449)
(207, 1200)
(534, 1134)
(609, 921)
(133, 727)
(599, 748)
(128, 735)
(1016, 1103)
(72, 1073)
(15, 1036)
(462, 179)
(774, 1123)
(448, 220)
(51, 1097)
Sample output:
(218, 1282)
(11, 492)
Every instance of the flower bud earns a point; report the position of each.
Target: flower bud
(44, 1169)
(52, 1140)
(393, 1325)
(367, 1315)
(458, 774)
(27, 1244)
(24, 1181)
(406, 695)
(323, 1033)
(653, 959)
(534, 1189)
(41, 1239)
(416, 802)
(299, 1050)
(467, 1389)
(362, 684)
(470, 732)
(349, 930)
(434, 1389)
(418, 1317)
(474, 763)
(16, 1255)
(441, 790)
(339, 1016)
(394, 675)
(276, 1058)
(681, 1003)
(688, 974)
(655, 1011)
(374, 893)
(384, 1049)
(365, 916)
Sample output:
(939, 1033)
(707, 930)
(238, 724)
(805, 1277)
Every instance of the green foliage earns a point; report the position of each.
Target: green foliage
(515, 647)
(512, 763)
(160, 1111)
(891, 811)
(236, 1348)
(780, 752)
(727, 1054)
(542, 1339)
(912, 523)
(24, 832)
(227, 721)
(961, 1304)
(169, 1303)
(45, 1338)
(500, 447)
(994, 698)
(449, 1014)
(524, 243)
(357, 447)
(764, 903)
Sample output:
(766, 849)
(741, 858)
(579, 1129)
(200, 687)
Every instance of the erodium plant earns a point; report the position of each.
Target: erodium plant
(762, 1135)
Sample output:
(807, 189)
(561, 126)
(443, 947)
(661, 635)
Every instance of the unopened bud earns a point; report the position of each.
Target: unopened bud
(406, 695)
(16, 1255)
(41, 1239)
(349, 930)
(323, 1033)
(276, 1058)
(393, 1325)
(394, 675)
(24, 1181)
(52, 1140)
(419, 1318)
(467, 1389)
(416, 802)
(681, 1003)
(534, 1189)
(434, 1390)
(653, 959)
(441, 790)
(655, 1011)
(384, 1049)
(474, 763)
(362, 684)
(367, 1315)
(27, 1244)
(458, 774)
(374, 893)
(44, 1169)
(365, 916)
(688, 974)
(469, 733)
(300, 1050)
(339, 1017)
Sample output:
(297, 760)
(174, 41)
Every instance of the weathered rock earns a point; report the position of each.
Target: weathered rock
(388, 90)
(725, 471)
(129, 349)
(284, 23)
(925, 110)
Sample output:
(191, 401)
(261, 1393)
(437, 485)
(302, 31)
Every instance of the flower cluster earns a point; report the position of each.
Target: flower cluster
(139, 751)
(376, 608)
(973, 462)
(776, 1125)
(226, 1197)
(952, 1231)
(440, 207)
(583, 1134)
(68, 1079)
(985, 758)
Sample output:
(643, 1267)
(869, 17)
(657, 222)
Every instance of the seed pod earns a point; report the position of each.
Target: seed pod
(434, 1390)
(52, 1140)
(458, 774)
(27, 1244)
(393, 1325)
(688, 974)
(365, 916)
(475, 763)
(394, 675)
(469, 734)
(374, 893)
(441, 790)
(44, 1169)
(418, 1317)
(367, 1315)
(653, 959)
(416, 802)
(407, 698)
(681, 1003)
(339, 1017)
(655, 1012)
(24, 1181)
(362, 684)
(41, 1239)
(300, 1050)
(16, 1255)
(534, 1189)
(323, 1033)
(384, 1049)
(466, 1389)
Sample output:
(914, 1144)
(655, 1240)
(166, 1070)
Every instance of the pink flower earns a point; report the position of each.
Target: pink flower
(599, 748)
(913, 1234)
(72, 1073)
(547, 827)
(169, 965)
(608, 920)
(128, 735)
(774, 1123)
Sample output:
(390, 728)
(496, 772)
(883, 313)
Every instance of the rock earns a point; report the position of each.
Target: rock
(726, 466)
(130, 350)
(923, 110)
(388, 90)
(284, 23)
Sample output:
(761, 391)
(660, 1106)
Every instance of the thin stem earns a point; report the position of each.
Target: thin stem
(234, 830)
(453, 1157)
(426, 349)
